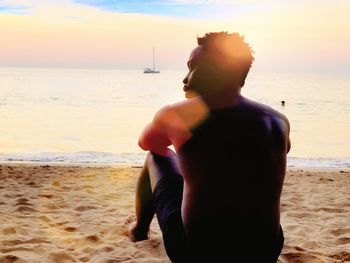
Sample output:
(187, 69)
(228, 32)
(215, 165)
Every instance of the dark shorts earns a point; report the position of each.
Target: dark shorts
(167, 197)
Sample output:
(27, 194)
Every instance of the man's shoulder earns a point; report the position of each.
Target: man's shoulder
(190, 111)
(177, 120)
(263, 110)
(274, 121)
(183, 105)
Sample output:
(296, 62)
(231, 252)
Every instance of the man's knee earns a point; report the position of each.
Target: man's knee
(160, 167)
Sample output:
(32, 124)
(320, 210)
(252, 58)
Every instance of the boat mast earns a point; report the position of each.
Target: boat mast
(153, 58)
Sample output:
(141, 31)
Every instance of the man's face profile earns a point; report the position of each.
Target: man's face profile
(207, 73)
(201, 77)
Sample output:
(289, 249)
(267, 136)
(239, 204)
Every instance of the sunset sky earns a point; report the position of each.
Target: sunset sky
(287, 35)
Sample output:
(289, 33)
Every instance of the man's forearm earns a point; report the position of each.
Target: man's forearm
(154, 139)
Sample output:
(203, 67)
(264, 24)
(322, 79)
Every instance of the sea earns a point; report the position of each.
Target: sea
(94, 116)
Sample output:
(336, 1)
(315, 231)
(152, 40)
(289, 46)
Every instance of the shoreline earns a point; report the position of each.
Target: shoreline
(137, 158)
(138, 164)
(79, 213)
(71, 164)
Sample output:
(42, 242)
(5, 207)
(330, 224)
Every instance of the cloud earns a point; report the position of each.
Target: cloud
(12, 8)
(174, 8)
(189, 9)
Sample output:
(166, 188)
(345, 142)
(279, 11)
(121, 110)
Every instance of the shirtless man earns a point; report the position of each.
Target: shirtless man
(217, 197)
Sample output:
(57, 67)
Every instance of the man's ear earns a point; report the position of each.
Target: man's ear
(242, 83)
(244, 76)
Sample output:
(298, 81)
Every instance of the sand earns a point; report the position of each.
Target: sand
(62, 213)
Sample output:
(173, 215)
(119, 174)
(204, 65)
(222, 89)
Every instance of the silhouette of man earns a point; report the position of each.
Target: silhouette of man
(217, 197)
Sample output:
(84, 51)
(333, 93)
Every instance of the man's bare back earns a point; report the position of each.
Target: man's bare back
(233, 168)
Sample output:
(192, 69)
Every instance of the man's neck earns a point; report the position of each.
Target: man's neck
(223, 99)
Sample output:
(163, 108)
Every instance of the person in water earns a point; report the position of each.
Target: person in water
(217, 195)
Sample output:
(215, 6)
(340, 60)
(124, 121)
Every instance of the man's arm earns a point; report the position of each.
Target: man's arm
(286, 133)
(289, 144)
(167, 128)
(154, 139)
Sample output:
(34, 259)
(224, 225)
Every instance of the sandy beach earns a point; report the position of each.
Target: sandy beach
(79, 213)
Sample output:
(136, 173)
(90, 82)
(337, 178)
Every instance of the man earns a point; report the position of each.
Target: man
(217, 197)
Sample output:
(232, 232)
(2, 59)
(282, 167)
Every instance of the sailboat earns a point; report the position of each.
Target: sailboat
(151, 70)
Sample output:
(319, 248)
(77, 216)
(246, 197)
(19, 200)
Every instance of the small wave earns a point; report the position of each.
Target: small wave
(138, 158)
(76, 157)
(319, 162)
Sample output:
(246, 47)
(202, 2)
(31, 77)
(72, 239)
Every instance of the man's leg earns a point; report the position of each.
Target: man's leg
(143, 206)
(154, 169)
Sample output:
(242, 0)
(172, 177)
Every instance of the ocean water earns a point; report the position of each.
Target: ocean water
(95, 116)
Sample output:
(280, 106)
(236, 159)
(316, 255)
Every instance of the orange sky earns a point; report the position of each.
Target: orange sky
(287, 36)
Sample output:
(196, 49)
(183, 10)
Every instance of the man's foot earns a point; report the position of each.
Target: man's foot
(135, 234)
(130, 229)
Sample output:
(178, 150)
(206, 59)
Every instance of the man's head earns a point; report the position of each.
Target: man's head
(220, 61)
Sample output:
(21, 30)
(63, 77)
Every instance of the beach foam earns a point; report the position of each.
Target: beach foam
(91, 157)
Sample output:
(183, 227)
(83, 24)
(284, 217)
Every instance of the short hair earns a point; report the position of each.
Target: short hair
(231, 50)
